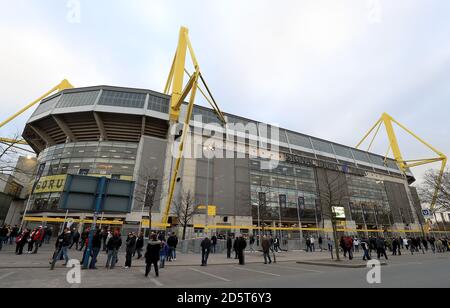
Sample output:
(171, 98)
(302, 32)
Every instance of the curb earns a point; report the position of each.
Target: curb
(336, 264)
(138, 266)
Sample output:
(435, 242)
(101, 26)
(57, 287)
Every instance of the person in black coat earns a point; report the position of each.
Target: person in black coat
(21, 240)
(131, 247)
(229, 246)
(206, 248)
(96, 247)
(235, 248)
(214, 243)
(139, 245)
(240, 247)
(75, 239)
(172, 242)
(152, 255)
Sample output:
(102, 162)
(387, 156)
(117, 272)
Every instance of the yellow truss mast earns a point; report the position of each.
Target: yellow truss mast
(403, 164)
(63, 85)
(174, 85)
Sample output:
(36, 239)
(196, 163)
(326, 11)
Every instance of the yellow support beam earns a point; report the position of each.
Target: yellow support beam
(403, 164)
(13, 141)
(174, 86)
(65, 84)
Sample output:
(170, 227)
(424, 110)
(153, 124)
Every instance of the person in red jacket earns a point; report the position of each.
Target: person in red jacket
(348, 246)
(38, 238)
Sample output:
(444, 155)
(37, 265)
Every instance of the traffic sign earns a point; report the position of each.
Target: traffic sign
(426, 212)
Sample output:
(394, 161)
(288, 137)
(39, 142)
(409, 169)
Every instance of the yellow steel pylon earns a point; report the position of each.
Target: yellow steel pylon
(403, 164)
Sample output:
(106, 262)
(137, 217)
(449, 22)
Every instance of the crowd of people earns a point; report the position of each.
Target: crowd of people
(161, 248)
(33, 238)
(380, 246)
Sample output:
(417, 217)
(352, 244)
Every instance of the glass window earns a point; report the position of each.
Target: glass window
(157, 103)
(342, 151)
(322, 146)
(122, 99)
(46, 105)
(299, 140)
(78, 99)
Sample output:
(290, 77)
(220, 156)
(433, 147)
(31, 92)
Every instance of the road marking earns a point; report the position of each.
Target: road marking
(6, 275)
(296, 268)
(407, 263)
(255, 271)
(208, 274)
(159, 284)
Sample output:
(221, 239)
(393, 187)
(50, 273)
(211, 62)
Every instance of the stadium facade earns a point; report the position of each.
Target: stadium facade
(256, 175)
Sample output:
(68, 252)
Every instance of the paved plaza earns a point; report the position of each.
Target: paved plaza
(419, 270)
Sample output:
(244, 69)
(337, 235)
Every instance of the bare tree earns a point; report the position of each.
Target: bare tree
(333, 192)
(185, 208)
(427, 189)
(10, 150)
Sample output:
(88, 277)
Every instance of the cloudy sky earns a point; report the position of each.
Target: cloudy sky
(324, 68)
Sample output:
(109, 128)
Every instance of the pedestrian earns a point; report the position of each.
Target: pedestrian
(402, 242)
(266, 249)
(163, 254)
(229, 246)
(348, 247)
(130, 249)
(48, 235)
(313, 241)
(372, 244)
(96, 247)
(366, 249)
(240, 247)
(381, 248)
(105, 234)
(75, 238)
(395, 247)
(140, 245)
(308, 244)
(84, 236)
(152, 255)
(320, 243)
(14, 233)
(330, 247)
(38, 238)
(3, 235)
(235, 248)
(406, 243)
(425, 244)
(213, 243)
(206, 248)
(356, 243)
(30, 240)
(252, 242)
(62, 246)
(113, 246)
(432, 242)
(172, 242)
(21, 240)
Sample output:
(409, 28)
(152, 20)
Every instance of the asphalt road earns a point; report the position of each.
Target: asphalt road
(428, 271)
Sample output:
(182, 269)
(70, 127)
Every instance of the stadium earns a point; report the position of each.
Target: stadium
(123, 133)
